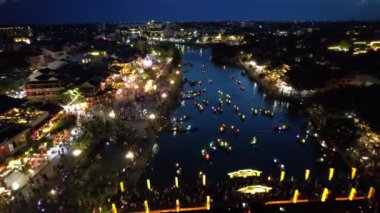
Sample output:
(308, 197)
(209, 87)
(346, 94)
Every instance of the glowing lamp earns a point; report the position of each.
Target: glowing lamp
(77, 152)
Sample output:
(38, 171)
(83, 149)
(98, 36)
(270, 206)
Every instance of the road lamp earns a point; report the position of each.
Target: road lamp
(130, 155)
(77, 152)
(152, 116)
(164, 95)
(112, 114)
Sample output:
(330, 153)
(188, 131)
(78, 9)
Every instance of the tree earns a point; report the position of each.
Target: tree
(72, 96)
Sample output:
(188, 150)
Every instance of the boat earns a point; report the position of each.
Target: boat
(205, 102)
(255, 189)
(186, 97)
(210, 81)
(228, 101)
(184, 118)
(281, 128)
(241, 116)
(178, 128)
(235, 130)
(268, 113)
(244, 173)
(254, 111)
(278, 163)
(224, 144)
(321, 159)
(199, 106)
(220, 110)
(242, 88)
(212, 146)
(205, 154)
(222, 128)
(155, 149)
(301, 139)
(236, 108)
(178, 169)
(214, 110)
(220, 102)
(254, 140)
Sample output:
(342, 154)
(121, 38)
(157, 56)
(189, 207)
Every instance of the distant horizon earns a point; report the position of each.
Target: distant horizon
(100, 11)
(195, 21)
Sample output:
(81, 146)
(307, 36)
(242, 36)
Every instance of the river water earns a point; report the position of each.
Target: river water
(185, 148)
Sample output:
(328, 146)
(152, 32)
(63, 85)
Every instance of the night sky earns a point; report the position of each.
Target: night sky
(79, 11)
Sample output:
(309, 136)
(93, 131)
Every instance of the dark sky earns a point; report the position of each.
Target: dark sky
(77, 11)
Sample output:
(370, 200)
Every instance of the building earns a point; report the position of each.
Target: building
(36, 60)
(92, 86)
(44, 84)
(12, 138)
(53, 52)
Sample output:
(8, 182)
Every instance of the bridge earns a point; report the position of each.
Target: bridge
(326, 194)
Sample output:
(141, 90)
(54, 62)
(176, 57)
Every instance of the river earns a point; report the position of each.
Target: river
(185, 148)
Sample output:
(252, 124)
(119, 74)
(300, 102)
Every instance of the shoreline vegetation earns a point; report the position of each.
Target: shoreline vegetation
(306, 105)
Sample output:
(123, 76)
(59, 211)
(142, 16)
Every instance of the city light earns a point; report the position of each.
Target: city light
(15, 186)
(152, 116)
(130, 155)
(77, 152)
(164, 95)
(53, 192)
(112, 114)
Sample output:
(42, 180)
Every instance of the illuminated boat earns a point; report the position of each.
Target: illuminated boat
(235, 130)
(238, 82)
(180, 128)
(220, 110)
(278, 163)
(178, 169)
(205, 102)
(210, 81)
(241, 116)
(220, 102)
(228, 101)
(244, 173)
(184, 118)
(254, 111)
(212, 146)
(214, 110)
(205, 154)
(187, 97)
(300, 139)
(281, 128)
(224, 144)
(255, 189)
(242, 88)
(199, 106)
(268, 113)
(254, 140)
(222, 128)
(321, 159)
(236, 108)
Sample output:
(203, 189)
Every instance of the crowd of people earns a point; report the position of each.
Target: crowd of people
(224, 194)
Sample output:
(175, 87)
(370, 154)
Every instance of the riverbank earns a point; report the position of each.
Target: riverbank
(317, 119)
(269, 87)
(166, 107)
